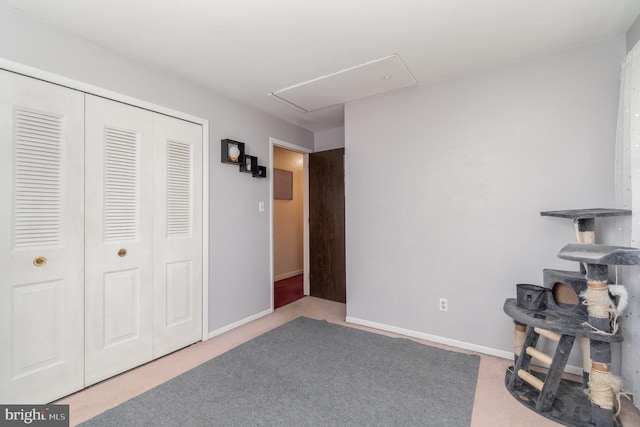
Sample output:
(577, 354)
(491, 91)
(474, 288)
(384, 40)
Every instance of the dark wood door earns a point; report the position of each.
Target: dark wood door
(327, 275)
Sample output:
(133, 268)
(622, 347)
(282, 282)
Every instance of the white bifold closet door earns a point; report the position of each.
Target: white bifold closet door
(143, 190)
(119, 238)
(100, 241)
(42, 240)
(177, 224)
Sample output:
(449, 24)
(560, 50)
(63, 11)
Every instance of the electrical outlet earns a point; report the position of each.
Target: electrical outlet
(443, 304)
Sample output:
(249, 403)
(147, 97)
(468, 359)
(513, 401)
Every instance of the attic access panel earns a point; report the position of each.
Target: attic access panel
(371, 78)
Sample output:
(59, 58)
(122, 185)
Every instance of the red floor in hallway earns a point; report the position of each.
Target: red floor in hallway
(288, 290)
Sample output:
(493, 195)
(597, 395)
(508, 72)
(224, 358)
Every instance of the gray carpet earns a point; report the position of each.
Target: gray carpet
(312, 373)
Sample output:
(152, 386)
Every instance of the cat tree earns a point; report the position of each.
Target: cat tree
(588, 313)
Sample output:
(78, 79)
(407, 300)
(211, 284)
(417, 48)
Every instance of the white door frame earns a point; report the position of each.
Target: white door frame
(94, 90)
(273, 142)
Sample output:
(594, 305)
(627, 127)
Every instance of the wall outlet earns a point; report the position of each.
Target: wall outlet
(443, 304)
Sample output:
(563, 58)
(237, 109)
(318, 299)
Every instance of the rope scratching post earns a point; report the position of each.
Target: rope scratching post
(585, 347)
(519, 334)
(604, 388)
(585, 229)
(597, 299)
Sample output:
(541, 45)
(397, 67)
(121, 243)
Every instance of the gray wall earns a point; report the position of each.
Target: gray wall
(328, 139)
(631, 326)
(446, 182)
(633, 34)
(239, 252)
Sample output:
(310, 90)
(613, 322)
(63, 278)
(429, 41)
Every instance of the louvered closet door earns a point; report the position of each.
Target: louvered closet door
(177, 234)
(119, 250)
(41, 242)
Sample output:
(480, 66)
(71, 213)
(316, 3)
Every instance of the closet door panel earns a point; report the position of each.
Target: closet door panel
(119, 246)
(41, 240)
(177, 234)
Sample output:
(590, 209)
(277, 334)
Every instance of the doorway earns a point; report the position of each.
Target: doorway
(289, 227)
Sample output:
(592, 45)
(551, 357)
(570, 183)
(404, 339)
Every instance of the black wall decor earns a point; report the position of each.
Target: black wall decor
(232, 151)
(260, 172)
(250, 164)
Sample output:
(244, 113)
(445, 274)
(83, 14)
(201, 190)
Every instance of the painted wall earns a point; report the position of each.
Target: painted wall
(633, 34)
(446, 184)
(628, 189)
(287, 218)
(328, 139)
(240, 241)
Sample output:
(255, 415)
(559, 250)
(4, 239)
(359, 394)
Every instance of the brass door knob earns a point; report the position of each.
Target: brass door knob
(122, 252)
(39, 261)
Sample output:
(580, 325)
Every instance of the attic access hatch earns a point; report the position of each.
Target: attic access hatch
(371, 78)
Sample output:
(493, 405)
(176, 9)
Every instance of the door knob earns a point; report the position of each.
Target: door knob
(122, 252)
(39, 261)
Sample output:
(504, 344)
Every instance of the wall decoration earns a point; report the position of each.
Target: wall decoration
(250, 164)
(282, 184)
(232, 151)
(260, 172)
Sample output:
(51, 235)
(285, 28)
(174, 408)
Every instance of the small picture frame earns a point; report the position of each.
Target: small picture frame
(260, 172)
(250, 164)
(232, 151)
(282, 184)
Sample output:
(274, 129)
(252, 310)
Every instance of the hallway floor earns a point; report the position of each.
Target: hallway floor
(288, 290)
(493, 405)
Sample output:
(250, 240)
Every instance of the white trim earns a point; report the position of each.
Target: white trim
(239, 323)
(205, 230)
(306, 257)
(447, 341)
(289, 146)
(273, 142)
(346, 223)
(271, 257)
(47, 76)
(94, 90)
(287, 275)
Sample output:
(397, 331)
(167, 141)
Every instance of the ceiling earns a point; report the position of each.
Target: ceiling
(248, 49)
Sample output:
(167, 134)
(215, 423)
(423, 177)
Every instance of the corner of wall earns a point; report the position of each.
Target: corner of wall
(633, 34)
(328, 139)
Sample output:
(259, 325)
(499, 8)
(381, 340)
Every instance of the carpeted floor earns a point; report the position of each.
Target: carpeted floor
(313, 373)
(287, 290)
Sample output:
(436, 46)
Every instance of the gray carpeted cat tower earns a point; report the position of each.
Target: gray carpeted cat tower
(572, 306)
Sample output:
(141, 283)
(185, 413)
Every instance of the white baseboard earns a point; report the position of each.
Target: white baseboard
(576, 370)
(241, 322)
(287, 275)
